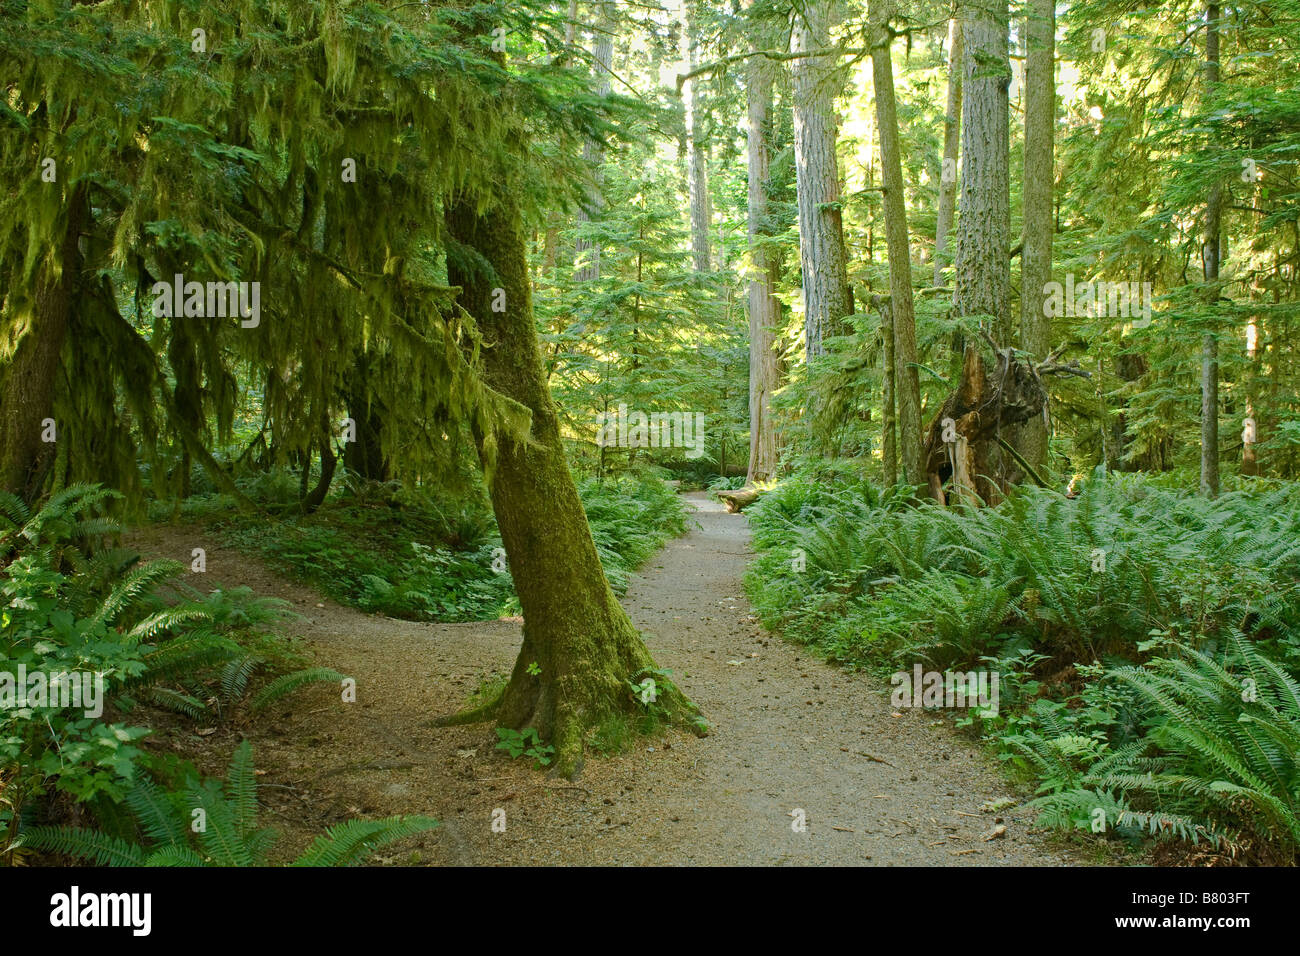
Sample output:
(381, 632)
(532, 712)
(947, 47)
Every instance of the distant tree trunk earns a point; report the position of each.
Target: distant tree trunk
(27, 389)
(951, 139)
(364, 456)
(1036, 249)
(764, 307)
(983, 280)
(907, 384)
(586, 252)
(188, 393)
(1249, 427)
(551, 245)
(827, 298)
(577, 640)
(314, 498)
(1210, 264)
(889, 443)
(696, 147)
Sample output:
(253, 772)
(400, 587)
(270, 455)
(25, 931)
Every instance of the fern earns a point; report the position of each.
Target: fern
(91, 845)
(229, 835)
(176, 702)
(349, 843)
(235, 675)
(1227, 765)
(288, 683)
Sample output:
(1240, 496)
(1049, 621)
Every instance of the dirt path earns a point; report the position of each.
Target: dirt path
(789, 733)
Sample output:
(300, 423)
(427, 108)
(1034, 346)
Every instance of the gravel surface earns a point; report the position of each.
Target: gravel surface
(793, 739)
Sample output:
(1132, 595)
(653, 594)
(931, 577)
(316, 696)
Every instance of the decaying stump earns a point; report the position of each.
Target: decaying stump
(960, 440)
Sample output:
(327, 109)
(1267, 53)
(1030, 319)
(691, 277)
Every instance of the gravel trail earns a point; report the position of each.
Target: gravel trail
(793, 739)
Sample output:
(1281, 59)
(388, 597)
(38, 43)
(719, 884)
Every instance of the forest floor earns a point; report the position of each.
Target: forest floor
(788, 732)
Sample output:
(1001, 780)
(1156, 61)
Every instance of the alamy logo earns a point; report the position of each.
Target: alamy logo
(220, 300)
(1126, 300)
(621, 429)
(73, 909)
(79, 690)
(946, 689)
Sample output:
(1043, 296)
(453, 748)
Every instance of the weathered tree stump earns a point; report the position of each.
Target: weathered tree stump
(960, 440)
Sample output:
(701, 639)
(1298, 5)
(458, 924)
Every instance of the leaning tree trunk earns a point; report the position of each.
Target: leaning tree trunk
(907, 384)
(580, 650)
(27, 390)
(827, 298)
(764, 306)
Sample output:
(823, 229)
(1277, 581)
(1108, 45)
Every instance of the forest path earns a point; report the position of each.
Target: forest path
(788, 732)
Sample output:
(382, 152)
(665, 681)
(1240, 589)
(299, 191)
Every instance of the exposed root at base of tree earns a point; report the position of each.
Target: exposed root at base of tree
(477, 715)
(566, 704)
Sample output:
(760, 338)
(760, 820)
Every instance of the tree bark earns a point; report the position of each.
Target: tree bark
(587, 252)
(889, 443)
(27, 390)
(983, 260)
(1036, 247)
(580, 640)
(328, 463)
(764, 307)
(989, 401)
(1210, 254)
(737, 501)
(1250, 427)
(696, 148)
(364, 456)
(951, 139)
(907, 384)
(827, 299)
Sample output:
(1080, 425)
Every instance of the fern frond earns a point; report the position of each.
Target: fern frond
(92, 845)
(288, 683)
(176, 702)
(157, 815)
(349, 843)
(241, 788)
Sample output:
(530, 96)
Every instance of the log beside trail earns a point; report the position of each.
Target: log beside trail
(736, 501)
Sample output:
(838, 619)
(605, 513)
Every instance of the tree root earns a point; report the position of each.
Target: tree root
(477, 715)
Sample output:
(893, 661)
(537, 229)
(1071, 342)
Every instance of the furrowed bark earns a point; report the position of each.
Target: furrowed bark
(764, 308)
(907, 384)
(1036, 250)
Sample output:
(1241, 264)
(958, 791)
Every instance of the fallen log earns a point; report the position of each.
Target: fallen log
(737, 501)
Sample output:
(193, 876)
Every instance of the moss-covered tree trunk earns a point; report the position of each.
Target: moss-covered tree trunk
(583, 645)
(364, 455)
(27, 389)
